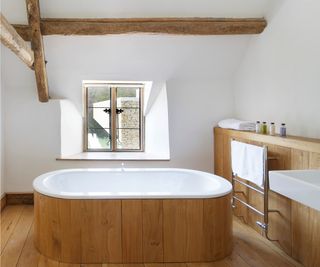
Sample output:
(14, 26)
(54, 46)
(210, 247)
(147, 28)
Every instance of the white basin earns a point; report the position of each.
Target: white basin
(300, 185)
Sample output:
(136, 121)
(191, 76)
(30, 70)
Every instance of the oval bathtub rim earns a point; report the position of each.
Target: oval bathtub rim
(38, 185)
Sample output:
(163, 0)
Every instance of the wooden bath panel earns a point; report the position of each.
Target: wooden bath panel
(133, 231)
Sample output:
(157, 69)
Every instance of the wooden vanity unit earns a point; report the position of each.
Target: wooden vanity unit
(297, 227)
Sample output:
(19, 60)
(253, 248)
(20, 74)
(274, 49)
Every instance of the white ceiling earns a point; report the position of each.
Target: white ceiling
(15, 10)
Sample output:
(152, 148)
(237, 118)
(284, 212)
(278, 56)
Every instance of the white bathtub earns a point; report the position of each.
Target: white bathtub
(130, 183)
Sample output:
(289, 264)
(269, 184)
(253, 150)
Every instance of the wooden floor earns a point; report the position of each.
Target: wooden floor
(17, 249)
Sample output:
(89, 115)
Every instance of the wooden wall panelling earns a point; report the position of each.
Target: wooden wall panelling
(279, 223)
(47, 221)
(299, 159)
(314, 162)
(175, 230)
(195, 233)
(255, 199)
(305, 235)
(152, 230)
(70, 216)
(132, 241)
(217, 215)
(110, 226)
(91, 231)
(227, 172)
(218, 154)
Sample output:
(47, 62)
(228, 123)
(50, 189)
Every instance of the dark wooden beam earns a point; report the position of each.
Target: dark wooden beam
(177, 26)
(33, 11)
(24, 31)
(11, 39)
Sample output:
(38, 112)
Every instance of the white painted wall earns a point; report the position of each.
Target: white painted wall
(71, 129)
(279, 78)
(197, 70)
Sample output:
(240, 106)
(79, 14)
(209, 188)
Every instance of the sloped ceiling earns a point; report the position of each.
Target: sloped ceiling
(132, 57)
(15, 10)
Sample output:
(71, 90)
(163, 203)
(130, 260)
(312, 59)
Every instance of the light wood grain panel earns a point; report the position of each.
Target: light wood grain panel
(175, 230)
(47, 221)
(70, 216)
(227, 172)
(132, 231)
(195, 233)
(132, 241)
(218, 154)
(152, 231)
(280, 223)
(305, 235)
(314, 161)
(299, 159)
(218, 243)
(111, 231)
(92, 244)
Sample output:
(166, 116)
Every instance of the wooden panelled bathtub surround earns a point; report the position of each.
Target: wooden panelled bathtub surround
(296, 226)
(133, 231)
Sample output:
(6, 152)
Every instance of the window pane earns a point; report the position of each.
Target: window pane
(98, 96)
(98, 118)
(128, 97)
(99, 139)
(128, 139)
(129, 118)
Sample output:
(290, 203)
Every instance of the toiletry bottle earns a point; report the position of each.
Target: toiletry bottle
(283, 130)
(264, 128)
(258, 127)
(272, 129)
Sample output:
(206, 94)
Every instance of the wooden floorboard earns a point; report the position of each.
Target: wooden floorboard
(17, 249)
(9, 219)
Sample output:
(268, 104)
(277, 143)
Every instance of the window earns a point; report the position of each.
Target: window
(114, 120)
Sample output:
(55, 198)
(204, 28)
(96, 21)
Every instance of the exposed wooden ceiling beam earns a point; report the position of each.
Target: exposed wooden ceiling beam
(177, 26)
(33, 11)
(11, 39)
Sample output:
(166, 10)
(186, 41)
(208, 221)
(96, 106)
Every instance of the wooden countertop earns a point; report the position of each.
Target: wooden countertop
(296, 142)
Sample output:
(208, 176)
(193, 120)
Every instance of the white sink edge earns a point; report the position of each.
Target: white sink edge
(296, 179)
(301, 191)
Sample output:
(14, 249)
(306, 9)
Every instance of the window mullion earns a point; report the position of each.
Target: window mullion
(113, 118)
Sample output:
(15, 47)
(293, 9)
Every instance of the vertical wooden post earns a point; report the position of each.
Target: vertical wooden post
(33, 11)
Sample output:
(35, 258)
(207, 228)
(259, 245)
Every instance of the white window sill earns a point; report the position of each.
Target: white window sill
(116, 156)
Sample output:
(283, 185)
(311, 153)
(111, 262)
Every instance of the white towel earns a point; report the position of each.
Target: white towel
(237, 125)
(248, 162)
